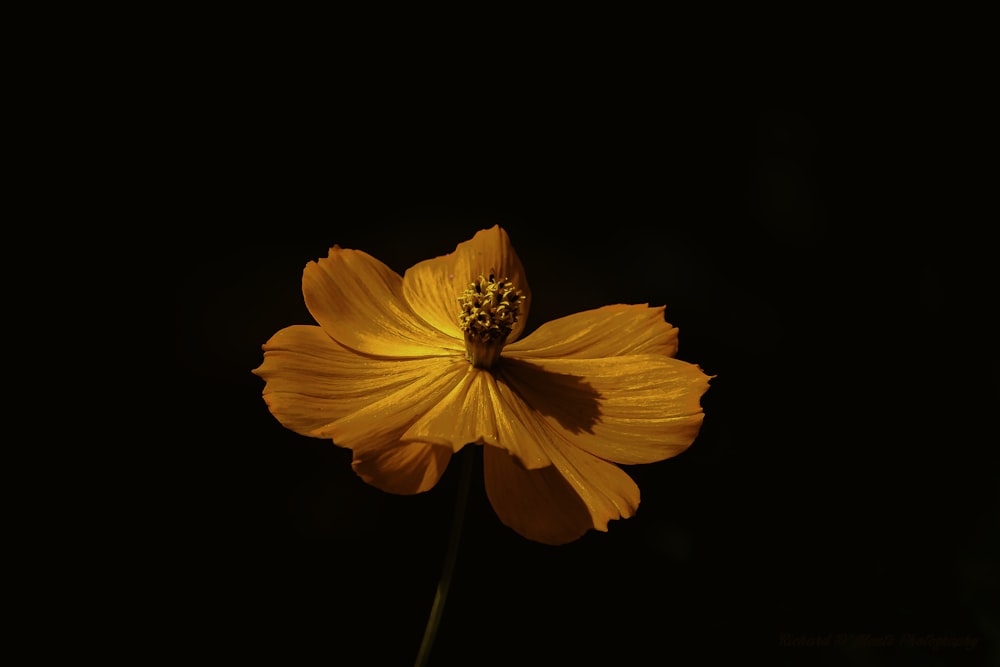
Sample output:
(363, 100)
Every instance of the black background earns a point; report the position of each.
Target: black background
(809, 242)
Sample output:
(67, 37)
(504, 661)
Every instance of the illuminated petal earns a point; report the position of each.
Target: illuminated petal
(432, 287)
(312, 380)
(631, 409)
(481, 412)
(603, 332)
(359, 301)
(408, 468)
(382, 421)
(558, 504)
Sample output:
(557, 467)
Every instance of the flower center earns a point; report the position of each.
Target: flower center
(489, 311)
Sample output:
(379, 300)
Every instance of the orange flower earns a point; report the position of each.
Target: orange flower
(405, 371)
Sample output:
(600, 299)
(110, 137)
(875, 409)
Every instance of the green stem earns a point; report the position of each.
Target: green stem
(441, 595)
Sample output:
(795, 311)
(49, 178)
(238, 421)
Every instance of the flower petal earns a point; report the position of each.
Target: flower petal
(312, 380)
(432, 287)
(631, 409)
(381, 422)
(407, 468)
(479, 411)
(359, 301)
(558, 504)
(603, 332)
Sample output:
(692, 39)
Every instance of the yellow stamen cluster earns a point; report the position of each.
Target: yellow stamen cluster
(489, 309)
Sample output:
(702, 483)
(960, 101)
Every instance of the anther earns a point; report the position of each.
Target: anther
(489, 309)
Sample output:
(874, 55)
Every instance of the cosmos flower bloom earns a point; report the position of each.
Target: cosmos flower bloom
(405, 371)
